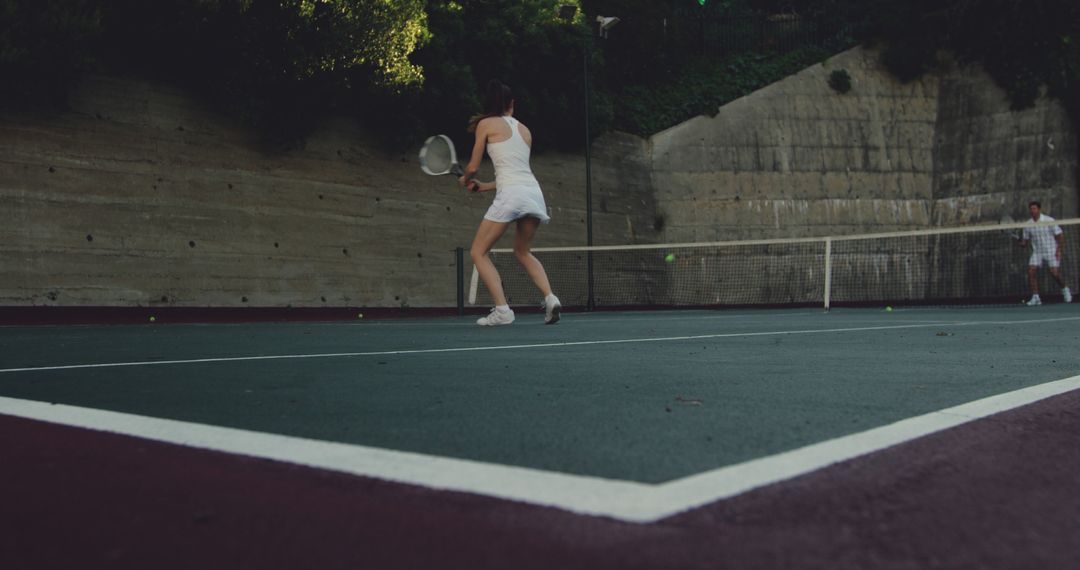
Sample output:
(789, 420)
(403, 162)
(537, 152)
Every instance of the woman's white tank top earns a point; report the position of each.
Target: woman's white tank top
(511, 159)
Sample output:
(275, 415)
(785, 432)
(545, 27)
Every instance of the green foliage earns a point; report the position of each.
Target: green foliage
(524, 43)
(656, 38)
(840, 81)
(1028, 47)
(44, 44)
(407, 68)
(280, 66)
(703, 86)
(670, 60)
(1023, 45)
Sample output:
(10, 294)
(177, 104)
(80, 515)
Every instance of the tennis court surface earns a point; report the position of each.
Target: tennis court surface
(787, 438)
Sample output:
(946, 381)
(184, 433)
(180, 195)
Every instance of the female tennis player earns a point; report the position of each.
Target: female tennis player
(518, 199)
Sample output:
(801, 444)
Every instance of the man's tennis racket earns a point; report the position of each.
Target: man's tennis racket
(1013, 233)
(437, 157)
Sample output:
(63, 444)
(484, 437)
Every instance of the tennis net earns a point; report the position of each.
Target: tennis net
(962, 265)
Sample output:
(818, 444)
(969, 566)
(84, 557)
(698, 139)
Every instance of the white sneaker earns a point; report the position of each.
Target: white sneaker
(496, 317)
(1035, 301)
(1067, 294)
(552, 308)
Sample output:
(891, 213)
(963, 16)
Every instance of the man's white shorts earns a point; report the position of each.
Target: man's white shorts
(1039, 257)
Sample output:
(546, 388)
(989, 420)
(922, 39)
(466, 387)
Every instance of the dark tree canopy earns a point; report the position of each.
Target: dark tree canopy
(413, 67)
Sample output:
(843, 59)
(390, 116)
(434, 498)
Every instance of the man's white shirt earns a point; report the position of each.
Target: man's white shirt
(1043, 242)
(1042, 237)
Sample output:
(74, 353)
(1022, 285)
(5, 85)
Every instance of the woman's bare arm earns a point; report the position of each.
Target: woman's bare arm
(478, 152)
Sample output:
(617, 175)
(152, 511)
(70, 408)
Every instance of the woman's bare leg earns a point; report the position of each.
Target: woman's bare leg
(526, 229)
(487, 234)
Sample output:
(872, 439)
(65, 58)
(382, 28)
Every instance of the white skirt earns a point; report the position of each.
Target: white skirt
(516, 202)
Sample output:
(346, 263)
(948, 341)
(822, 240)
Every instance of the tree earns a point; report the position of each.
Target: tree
(524, 43)
(279, 65)
(44, 45)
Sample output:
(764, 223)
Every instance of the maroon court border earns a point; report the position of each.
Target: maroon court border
(1001, 492)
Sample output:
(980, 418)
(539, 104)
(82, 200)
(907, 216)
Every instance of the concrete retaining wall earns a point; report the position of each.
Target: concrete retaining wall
(798, 159)
(138, 196)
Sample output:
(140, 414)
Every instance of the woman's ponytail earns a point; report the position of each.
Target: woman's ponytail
(497, 100)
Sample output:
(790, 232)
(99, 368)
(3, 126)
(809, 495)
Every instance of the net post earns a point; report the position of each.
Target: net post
(459, 255)
(828, 271)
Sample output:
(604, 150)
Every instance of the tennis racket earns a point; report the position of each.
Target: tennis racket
(437, 157)
(1013, 233)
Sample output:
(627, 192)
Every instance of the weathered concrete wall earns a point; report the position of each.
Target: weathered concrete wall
(798, 159)
(138, 196)
(990, 161)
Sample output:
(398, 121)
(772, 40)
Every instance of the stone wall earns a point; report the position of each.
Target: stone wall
(990, 161)
(798, 159)
(140, 197)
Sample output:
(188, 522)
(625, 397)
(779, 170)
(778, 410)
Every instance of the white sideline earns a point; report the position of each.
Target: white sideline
(623, 500)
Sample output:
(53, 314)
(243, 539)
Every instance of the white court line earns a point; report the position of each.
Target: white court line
(593, 495)
(623, 500)
(520, 347)
(469, 321)
(704, 488)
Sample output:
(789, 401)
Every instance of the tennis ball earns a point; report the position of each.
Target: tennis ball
(359, 315)
(670, 257)
(152, 319)
(888, 309)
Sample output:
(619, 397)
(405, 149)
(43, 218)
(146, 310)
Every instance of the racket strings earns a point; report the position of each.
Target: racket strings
(437, 156)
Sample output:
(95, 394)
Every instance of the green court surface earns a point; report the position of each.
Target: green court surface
(646, 397)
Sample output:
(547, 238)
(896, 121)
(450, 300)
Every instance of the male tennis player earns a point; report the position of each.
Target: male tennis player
(1046, 244)
(518, 199)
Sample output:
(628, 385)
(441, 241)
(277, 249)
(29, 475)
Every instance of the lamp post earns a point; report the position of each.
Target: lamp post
(604, 23)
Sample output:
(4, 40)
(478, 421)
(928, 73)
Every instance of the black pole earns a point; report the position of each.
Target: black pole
(590, 305)
(459, 253)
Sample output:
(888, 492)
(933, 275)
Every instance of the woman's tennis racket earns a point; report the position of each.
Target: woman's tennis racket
(437, 157)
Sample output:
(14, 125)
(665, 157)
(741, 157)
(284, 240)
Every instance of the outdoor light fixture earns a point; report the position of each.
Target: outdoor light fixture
(606, 23)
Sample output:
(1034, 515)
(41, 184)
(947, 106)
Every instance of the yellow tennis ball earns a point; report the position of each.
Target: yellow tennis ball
(152, 319)
(359, 315)
(670, 258)
(888, 309)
